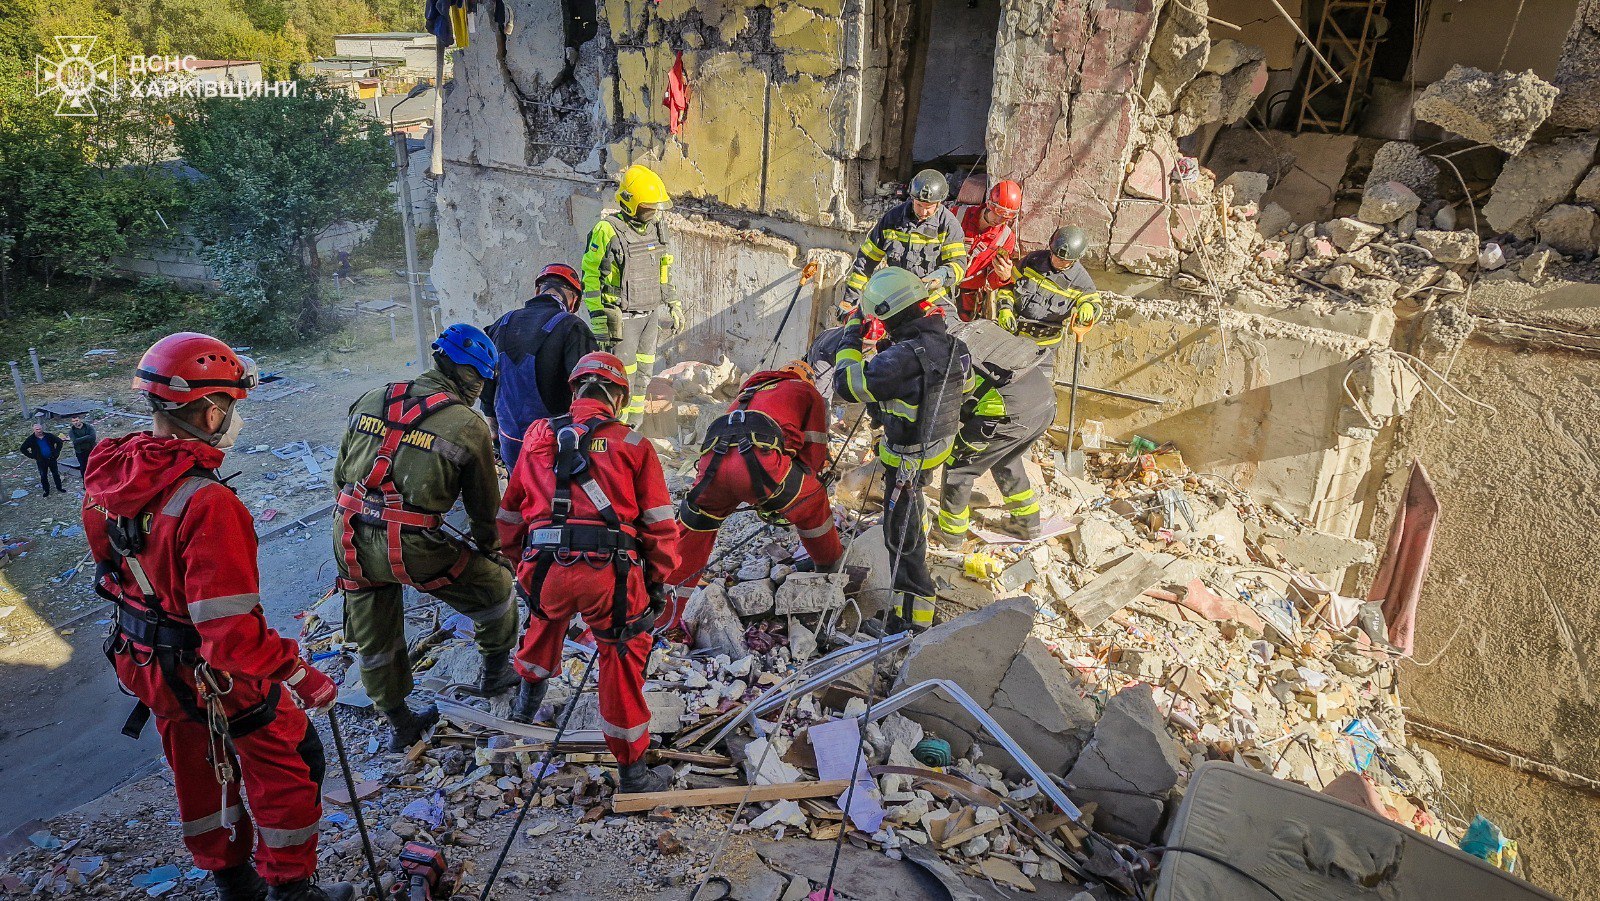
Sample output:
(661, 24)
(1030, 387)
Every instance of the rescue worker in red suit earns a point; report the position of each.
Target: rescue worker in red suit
(588, 505)
(991, 233)
(769, 452)
(175, 550)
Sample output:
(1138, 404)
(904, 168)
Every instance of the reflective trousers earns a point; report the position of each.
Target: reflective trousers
(584, 588)
(1002, 453)
(636, 346)
(281, 765)
(905, 534)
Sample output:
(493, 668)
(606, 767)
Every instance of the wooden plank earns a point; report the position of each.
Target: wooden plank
(1115, 589)
(967, 835)
(732, 794)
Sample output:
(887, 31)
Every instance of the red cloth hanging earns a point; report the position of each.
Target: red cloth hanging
(676, 98)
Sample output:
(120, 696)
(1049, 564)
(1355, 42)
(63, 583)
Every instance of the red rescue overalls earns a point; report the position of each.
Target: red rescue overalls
(176, 551)
(588, 505)
(778, 427)
(983, 245)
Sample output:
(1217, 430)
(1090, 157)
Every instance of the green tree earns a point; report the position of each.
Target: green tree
(277, 172)
(79, 194)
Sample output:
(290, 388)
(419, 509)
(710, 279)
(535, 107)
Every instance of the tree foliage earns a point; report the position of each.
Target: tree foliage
(277, 33)
(277, 172)
(81, 187)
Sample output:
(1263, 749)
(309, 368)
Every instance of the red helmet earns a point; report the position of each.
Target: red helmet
(601, 365)
(187, 366)
(1005, 199)
(561, 271)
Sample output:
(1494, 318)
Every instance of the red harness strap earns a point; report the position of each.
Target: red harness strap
(377, 499)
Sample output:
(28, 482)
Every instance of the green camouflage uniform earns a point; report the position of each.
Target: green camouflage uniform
(431, 472)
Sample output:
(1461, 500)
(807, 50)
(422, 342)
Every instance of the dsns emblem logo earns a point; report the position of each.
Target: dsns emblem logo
(76, 75)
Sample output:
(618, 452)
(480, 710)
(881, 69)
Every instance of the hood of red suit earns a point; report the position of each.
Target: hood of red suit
(125, 474)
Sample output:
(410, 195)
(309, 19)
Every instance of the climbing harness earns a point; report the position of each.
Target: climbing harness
(376, 500)
(566, 542)
(745, 431)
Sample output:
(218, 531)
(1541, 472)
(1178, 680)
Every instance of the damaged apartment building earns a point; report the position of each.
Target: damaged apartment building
(1339, 238)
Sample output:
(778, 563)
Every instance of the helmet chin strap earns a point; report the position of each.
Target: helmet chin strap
(211, 438)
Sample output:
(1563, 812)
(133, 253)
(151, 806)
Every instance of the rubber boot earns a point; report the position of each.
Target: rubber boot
(409, 725)
(1025, 528)
(498, 677)
(637, 777)
(240, 883)
(306, 890)
(950, 541)
(529, 697)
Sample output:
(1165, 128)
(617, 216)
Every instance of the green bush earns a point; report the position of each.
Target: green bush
(152, 303)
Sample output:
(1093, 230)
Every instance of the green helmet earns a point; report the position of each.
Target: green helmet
(1069, 242)
(891, 291)
(929, 186)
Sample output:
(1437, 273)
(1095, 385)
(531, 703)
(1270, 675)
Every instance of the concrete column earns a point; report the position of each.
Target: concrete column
(1066, 75)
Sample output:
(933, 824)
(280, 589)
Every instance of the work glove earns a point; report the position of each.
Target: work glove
(1006, 319)
(312, 689)
(675, 307)
(600, 325)
(613, 328)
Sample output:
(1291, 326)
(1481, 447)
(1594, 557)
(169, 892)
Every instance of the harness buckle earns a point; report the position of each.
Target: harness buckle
(561, 506)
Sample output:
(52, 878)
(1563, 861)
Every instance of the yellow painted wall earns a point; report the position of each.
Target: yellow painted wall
(726, 151)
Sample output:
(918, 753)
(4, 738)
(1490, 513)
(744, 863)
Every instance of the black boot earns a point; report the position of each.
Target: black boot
(950, 541)
(637, 778)
(240, 883)
(498, 677)
(306, 890)
(1024, 527)
(529, 697)
(409, 725)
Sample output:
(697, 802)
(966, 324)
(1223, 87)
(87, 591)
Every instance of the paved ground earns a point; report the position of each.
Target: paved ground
(60, 708)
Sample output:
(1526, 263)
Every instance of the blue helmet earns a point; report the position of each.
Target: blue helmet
(467, 345)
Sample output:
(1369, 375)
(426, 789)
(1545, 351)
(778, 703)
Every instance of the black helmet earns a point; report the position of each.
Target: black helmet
(929, 186)
(1069, 242)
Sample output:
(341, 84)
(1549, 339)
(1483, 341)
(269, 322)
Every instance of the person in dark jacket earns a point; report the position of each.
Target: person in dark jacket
(44, 448)
(539, 345)
(83, 439)
(914, 388)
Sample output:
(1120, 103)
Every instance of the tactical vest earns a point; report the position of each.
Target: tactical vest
(639, 289)
(928, 437)
(996, 354)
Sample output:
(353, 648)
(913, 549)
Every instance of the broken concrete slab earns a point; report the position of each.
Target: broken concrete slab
(714, 624)
(751, 598)
(1403, 162)
(1453, 247)
(1095, 542)
(1039, 705)
(810, 593)
(1588, 190)
(1536, 179)
(1116, 588)
(1567, 228)
(1498, 108)
(1311, 550)
(1386, 202)
(1352, 234)
(1129, 766)
(1248, 187)
(973, 650)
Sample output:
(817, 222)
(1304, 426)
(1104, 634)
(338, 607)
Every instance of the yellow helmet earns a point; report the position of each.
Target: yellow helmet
(639, 185)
